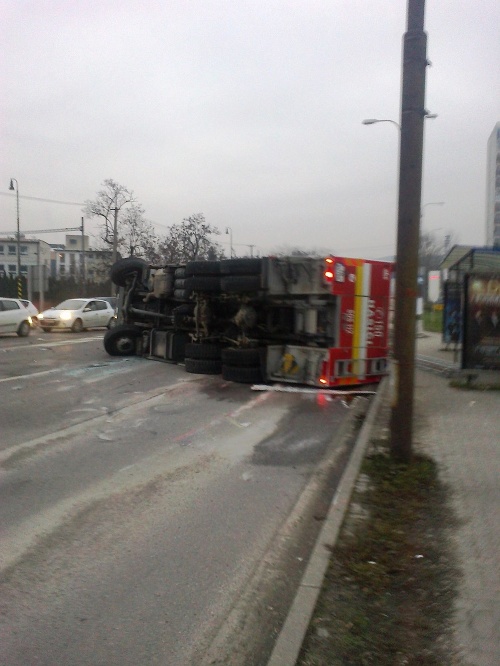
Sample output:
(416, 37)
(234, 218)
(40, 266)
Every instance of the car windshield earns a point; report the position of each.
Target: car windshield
(70, 304)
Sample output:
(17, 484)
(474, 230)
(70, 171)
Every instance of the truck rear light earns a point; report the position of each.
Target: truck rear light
(323, 379)
(329, 271)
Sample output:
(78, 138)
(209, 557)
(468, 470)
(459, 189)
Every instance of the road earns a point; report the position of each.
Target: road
(150, 516)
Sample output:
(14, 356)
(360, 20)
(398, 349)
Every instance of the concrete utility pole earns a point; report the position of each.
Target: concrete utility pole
(114, 257)
(18, 239)
(410, 185)
(82, 265)
(115, 234)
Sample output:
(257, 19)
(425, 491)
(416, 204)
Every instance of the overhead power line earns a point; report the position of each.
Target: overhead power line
(43, 231)
(66, 203)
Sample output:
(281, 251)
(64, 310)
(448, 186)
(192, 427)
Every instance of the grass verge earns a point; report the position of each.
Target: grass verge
(433, 321)
(388, 594)
(471, 385)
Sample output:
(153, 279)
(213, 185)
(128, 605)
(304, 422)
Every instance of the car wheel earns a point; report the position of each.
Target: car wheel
(121, 340)
(77, 326)
(111, 323)
(46, 330)
(24, 329)
(124, 269)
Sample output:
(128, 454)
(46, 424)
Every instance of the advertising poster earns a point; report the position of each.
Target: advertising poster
(482, 322)
(452, 313)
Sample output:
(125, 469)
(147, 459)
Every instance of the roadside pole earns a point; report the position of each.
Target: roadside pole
(115, 245)
(410, 184)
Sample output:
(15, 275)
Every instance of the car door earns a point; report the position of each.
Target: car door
(3, 318)
(10, 316)
(90, 316)
(103, 313)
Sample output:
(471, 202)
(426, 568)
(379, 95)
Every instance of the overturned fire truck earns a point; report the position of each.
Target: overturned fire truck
(317, 321)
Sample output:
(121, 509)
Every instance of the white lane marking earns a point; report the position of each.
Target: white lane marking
(52, 344)
(33, 374)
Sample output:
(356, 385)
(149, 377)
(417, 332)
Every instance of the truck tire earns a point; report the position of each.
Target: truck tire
(181, 294)
(202, 350)
(124, 269)
(179, 283)
(242, 375)
(207, 366)
(244, 266)
(240, 283)
(204, 283)
(202, 268)
(180, 273)
(241, 357)
(121, 340)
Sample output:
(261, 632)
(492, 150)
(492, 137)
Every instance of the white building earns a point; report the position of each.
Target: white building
(33, 254)
(493, 189)
(39, 258)
(68, 260)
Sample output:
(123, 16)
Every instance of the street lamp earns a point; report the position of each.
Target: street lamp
(230, 232)
(18, 235)
(430, 203)
(372, 121)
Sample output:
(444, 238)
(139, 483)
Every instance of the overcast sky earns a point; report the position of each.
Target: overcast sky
(248, 111)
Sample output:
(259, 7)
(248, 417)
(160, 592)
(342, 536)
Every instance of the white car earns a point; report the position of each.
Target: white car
(33, 311)
(77, 314)
(14, 317)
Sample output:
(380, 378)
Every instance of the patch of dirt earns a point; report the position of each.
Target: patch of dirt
(387, 598)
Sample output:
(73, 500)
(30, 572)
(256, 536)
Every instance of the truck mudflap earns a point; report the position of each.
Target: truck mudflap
(298, 365)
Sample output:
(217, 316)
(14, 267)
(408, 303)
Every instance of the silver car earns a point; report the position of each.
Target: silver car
(77, 314)
(14, 317)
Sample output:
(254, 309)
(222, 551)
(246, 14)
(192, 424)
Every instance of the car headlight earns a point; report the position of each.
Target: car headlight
(66, 315)
(40, 316)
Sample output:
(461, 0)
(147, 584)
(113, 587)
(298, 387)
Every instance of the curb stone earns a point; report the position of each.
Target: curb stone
(291, 637)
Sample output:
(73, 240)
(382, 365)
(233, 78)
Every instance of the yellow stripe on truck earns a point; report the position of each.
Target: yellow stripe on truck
(361, 298)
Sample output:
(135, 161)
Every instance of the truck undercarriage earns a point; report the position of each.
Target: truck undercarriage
(249, 319)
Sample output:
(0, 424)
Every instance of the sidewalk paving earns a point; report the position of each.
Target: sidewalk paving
(460, 429)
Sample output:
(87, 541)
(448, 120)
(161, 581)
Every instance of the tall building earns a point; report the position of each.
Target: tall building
(493, 189)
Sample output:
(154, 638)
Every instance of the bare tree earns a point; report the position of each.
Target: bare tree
(137, 236)
(108, 206)
(433, 249)
(190, 240)
(294, 251)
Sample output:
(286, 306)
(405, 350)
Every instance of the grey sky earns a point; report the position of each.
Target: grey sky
(248, 111)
